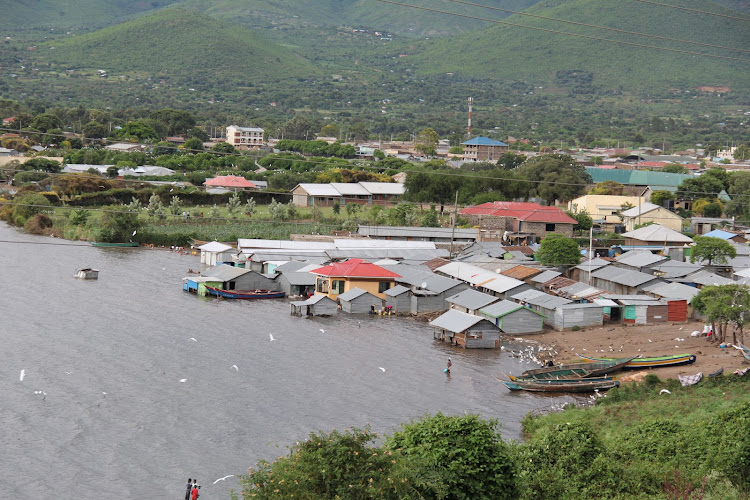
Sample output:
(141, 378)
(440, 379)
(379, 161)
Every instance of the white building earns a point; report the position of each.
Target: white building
(244, 137)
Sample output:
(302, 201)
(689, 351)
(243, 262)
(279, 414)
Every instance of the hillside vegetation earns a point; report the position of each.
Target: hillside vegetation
(196, 48)
(511, 52)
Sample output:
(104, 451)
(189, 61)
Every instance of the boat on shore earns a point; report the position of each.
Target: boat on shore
(245, 294)
(576, 370)
(115, 245)
(87, 274)
(650, 362)
(745, 351)
(582, 385)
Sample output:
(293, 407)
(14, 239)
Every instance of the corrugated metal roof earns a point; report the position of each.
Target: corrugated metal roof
(705, 278)
(636, 258)
(300, 278)
(417, 255)
(225, 272)
(718, 233)
(353, 294)
(483, 141)
(622, 276)
(503, 308)
(581, 305)
(580, 291)
(471, 299)
(593, 264)
(541, 299)
(673, 291)
(655, 180)
(356, 268)
(656, 233)
(215, 247)
(545, 276)
(605, 302)
(367, 243)
(312, 300)
(290, 266)
(644, 208)
(393, 188)
(418, 232)
(320, 190)
(467, 272)
(249, 243)
(456, 321)
(502, 284)
(350, 189)
(650, 302)
(521, 272)
(669, 269)
(396, 290)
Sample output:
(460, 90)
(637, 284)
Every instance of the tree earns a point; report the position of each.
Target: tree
(193, 144)
(46, 121)
(336, 207)
(708, 208)
(661, 197)
(456, 457)
(674, 168)
(298, 128)
(113, 172)
(117, 225)
(330, 130)
(223, 147)
(351, 209)
(359, 131)
(584, 220)
(155, 206)
(249, 207)
(234, 204)
(608, 187)
(742, 152)
(510, 160)
(276, 210)
(427, 140)
(708, 185)
(139, 131)
(214, 213)
(430, 219)
(555, 177)
(176, 121)
(79, 217)
(175, 207)
(378, 154)
(558, 250)
(724, 305)
(713, 250)
(43, 165)
(94, 130)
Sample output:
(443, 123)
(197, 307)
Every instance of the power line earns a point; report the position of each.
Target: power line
(522, 13)
(738, 18)
(567, 33)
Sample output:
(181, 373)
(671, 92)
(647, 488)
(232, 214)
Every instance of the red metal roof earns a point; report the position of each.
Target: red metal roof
(230, 181)
(531, 212)
(355, 268)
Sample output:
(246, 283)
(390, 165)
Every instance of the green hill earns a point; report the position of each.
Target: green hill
(64, 14)
(359, 13)
(176, 43)
(516, 53)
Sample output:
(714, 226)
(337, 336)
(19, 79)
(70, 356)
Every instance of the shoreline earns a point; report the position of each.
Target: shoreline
(643, 340)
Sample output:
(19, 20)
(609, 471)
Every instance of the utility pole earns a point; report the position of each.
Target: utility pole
(453, 225)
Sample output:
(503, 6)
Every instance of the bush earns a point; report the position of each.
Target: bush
(38, 224)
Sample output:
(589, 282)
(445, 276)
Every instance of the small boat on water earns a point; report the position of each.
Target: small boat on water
(88, 274)
(582, 385)
(245, 294)
(652, 362)
(115, 245)
(575, 370)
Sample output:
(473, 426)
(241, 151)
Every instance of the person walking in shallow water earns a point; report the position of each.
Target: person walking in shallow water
(448, 370)
(189, 487)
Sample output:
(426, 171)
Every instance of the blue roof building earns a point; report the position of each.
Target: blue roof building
(726, 235)
(483, 149)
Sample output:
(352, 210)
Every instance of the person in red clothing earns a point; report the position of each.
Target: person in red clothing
(194, 494)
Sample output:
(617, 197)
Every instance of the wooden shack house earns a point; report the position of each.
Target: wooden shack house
(358, 301)
(317, 305)
(513, 318)
(466, 330)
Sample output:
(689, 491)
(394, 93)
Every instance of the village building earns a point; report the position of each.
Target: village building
(466, 330)
(436, 234)
(483, 149)
(398, 299)
(215, 253)
(338, 278)
(638, 260)
(727, 236)
(358, 301)
(230, 182)
(622, 281)
(296, 283)
(470, 301)
(648, 212)
(519, 222)
(317, 305)
(363, 193)
(245, 137)
(604, 210)
(513, 318)
(227, 277)
(699, 226)
(582, 271)
(656, 235)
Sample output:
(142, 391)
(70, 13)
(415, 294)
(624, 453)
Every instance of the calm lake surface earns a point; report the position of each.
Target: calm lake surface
(128, 335)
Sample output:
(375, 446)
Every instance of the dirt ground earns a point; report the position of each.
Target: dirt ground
(652, 340)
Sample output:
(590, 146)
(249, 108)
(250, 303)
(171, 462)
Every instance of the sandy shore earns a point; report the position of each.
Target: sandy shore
(656, 340)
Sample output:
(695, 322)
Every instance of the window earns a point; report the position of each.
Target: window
(337, 286)
(550, 228)
(383, 286)
(323, 286)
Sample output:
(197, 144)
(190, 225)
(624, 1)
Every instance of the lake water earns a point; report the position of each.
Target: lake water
(128, 334)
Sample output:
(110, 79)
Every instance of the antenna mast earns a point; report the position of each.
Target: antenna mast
(468, 131)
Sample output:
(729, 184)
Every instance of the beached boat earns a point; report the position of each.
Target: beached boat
(745, 351)
(575, 370)
(88, 274)
(245, 294)
(651, 362)
(116, 245)
(582, 385)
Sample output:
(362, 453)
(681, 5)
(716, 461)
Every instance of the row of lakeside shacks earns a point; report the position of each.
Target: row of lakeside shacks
(482, 293)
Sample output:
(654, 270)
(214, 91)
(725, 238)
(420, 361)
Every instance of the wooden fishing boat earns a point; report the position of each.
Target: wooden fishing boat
(651, 362)
(555, 381)
(245, 294)
(577, 370)
(745, 351)
(87, 274)
(583, 385)
(115, 245)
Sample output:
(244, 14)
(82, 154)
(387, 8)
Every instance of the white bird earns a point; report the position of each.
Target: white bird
(322, 331)
(272, 339)
(680, 328)
(650, 340)
(193, 339)
(183, 380)
(383, 369)
(23, 374)
(134, 232)
(676, 347)
(235, 367)
(104, 394)
(223, 478)
(664, 391)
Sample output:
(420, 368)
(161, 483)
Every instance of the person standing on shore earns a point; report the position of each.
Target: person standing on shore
(189, 487)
